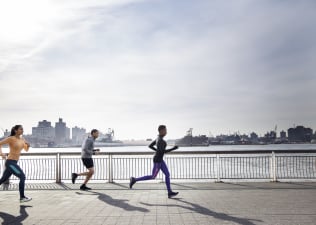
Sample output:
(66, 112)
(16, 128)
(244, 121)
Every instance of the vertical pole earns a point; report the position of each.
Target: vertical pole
(58, 169)
(110, 168)
(273, 167)
(218, 174)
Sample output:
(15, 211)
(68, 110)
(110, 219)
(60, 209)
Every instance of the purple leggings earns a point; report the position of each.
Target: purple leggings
(157, 167)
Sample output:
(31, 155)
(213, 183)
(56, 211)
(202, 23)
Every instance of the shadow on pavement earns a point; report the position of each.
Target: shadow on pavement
(205, 211)
(120, 203)
(16, 220)
(188, 187)
(123, 186)
(270, 186)
(304, 185)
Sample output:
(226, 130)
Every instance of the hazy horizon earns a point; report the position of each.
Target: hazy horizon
(216, 66)
(168, 135)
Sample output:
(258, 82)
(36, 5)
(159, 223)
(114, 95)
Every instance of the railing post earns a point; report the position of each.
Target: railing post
(110, 168)
(218, 166)
(58, 169)
(273, 167)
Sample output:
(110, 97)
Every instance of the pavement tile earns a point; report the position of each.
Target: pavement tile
(197, 203)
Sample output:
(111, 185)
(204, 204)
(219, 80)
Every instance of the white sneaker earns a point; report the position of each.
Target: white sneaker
(25, 199)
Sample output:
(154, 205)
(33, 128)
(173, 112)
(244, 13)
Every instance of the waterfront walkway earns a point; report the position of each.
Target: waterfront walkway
(147, 203)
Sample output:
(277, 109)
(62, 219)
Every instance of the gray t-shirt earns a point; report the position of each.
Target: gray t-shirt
(87, 148)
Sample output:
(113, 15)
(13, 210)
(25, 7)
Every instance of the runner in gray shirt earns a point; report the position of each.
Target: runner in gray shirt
(88, 148)
(86, 156)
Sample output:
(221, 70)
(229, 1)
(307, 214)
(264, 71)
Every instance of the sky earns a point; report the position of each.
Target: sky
(214, 66)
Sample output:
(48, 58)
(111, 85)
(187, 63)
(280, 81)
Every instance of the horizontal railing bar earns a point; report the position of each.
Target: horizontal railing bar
(219, 165)
(180, 152)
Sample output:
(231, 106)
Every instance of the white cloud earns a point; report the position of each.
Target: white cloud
(214, 66)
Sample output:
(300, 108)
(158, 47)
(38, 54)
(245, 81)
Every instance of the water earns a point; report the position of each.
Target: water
(206, 148)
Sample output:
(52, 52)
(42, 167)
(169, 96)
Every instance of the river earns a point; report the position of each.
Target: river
(206, 148)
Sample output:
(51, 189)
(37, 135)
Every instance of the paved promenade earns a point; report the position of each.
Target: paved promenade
(147, 203)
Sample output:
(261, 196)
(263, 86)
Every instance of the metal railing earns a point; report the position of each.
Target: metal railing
(193, 165)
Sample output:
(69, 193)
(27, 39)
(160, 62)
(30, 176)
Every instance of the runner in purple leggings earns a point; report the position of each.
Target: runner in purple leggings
(159, 163)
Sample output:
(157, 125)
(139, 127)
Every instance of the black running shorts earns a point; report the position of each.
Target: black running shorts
(88, 162)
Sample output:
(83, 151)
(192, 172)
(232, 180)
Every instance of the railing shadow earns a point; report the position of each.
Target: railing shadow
(205, 211)
(271, 186)
(119, 203)
(305, 185)
(123, 186)
(9, 219)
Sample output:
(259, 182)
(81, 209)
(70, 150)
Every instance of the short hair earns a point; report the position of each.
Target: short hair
(161, 127)
(93, 131)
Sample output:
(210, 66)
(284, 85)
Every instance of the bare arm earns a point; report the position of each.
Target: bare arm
(4, 142)
(152, 146)
(26, 145)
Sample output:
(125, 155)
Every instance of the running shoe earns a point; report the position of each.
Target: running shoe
(84, 188)
(25, 199)
(74, 177)
(172, 194)
(132, 182)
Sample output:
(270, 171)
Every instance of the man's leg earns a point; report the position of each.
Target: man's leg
(165, 170)
(88, 175)
(89, 164)
(153, 175)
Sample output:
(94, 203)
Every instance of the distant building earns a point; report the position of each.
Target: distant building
(270, 137)
(6, 133)
(44, 131)
(62, 132)
(254, 137)
(283, 135)
(300, 134)
(78, 135)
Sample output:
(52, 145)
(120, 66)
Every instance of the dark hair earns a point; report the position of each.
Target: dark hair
(14, 129)
(93, 131)
(161, 127)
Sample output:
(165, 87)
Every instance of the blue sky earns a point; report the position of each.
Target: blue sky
(216, 66)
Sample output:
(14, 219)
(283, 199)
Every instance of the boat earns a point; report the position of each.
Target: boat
(107, 140)
(192, 141)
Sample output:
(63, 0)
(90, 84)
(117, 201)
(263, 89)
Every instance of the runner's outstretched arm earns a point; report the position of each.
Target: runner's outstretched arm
(4, 142)
(172, 149)
(152, 146)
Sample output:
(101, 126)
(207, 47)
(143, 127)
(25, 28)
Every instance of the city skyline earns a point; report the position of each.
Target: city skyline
(215, 66)
(61, 131)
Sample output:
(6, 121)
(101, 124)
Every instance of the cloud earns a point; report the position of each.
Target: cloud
(212, 65)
